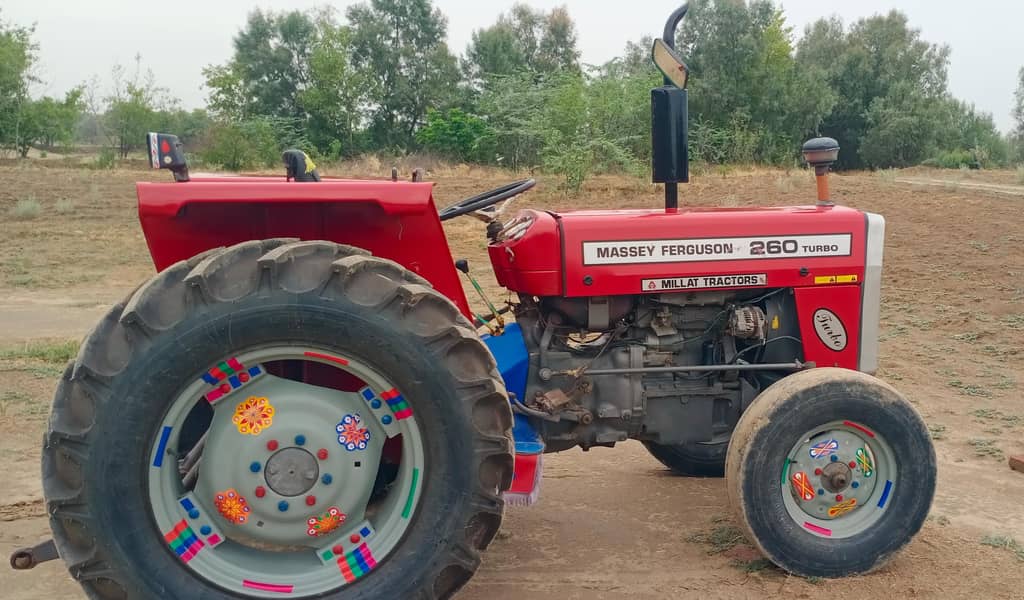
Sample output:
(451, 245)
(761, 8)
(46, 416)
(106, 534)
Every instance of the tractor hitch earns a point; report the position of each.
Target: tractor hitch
(24, 559)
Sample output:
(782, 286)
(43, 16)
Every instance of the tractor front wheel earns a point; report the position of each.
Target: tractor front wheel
(278, 418)
(693, 459)
(831, 473)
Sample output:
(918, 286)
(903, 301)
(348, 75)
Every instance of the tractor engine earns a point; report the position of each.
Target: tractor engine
(605, 367)
(664, 326)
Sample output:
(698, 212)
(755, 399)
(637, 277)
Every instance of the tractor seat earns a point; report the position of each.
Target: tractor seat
(299, 166)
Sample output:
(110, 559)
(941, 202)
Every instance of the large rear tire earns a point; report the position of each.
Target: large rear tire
(132, 406)
(831, 473)
(693, 459)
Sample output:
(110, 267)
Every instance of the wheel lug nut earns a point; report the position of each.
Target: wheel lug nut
(834, 458)
(272, 445)
(322, 454)
(839, 497)
(310, 500)
(300, 440)
(282, 506)
(853, 465)
(327, 479)
(255, 467)
(817, 471)
(261, 491)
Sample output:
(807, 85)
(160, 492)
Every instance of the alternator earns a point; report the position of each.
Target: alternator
(748, 322)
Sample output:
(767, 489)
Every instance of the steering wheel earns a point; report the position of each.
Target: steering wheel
(486, 199)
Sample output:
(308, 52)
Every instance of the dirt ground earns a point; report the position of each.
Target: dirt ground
(614, 522)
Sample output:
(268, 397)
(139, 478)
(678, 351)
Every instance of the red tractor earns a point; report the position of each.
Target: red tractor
(299, 403)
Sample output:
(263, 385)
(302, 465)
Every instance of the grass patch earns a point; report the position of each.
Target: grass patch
(21, 403)
(54, 351)
(984, 447)
(1014, 321)
(719, 539)
(1020, 175)
(1005, 543)
(887, 176)
(937, 431)
(970, 338)
(26, 209)
(752, 566)
(65, 206)
(969, 389)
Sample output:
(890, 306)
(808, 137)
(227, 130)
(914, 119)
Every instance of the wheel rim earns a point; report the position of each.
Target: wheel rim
(838, 479)
(294, 492)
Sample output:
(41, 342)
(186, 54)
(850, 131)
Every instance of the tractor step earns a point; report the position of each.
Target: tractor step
(24, 559)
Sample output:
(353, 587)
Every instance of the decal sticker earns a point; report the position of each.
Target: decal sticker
(704, 282)
(333, 359)
(268, 587)
(357, 563)
(715, 249)
(823, 449)
(228, 376)
(842, 508)
(351, 433)
(830, 329)
(867, 466)
(325, 523)
(802, 486)
(397, 404)
(154, 161)
(818, 529)
(161, 448)
(232, 506)
(253, 415)
(885, 494)
(183, 541)
(831, 279)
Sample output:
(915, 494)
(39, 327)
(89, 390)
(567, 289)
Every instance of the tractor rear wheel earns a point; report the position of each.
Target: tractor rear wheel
(694, 459)
(831, 473)
(278, 417)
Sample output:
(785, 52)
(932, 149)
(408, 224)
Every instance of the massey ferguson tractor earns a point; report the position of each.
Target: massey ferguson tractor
(300, 403)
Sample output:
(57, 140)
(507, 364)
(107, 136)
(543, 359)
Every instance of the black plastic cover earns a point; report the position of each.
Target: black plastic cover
(669, 135)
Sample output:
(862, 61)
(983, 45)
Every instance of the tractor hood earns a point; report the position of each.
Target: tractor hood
(607, 253)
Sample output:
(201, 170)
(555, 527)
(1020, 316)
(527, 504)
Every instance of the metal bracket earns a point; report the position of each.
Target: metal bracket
(24, 559)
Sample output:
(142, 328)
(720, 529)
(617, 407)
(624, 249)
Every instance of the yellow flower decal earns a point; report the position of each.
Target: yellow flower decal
(253, 415)
(231, 506)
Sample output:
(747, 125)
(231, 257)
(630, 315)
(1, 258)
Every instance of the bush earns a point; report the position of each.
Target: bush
(457, 135)
(106, 159)
(954, 159)
(25, 209)
(258, 143)
(65, 206)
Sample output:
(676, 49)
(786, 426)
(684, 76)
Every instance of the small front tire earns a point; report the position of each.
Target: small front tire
(831, 473)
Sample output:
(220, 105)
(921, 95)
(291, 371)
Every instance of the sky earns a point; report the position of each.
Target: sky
(82, 39)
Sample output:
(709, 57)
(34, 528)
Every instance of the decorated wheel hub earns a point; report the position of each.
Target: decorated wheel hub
(288, 491)
(837, 480)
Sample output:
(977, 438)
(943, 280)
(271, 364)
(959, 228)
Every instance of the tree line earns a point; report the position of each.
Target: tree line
(381, 78)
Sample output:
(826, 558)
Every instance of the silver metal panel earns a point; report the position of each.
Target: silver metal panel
(871, 294)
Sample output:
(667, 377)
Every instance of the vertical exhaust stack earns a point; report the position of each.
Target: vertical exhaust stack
(669, 115)
(822, 153)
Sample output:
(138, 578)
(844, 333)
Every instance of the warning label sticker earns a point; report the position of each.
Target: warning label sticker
(716, 249)
(704, 282)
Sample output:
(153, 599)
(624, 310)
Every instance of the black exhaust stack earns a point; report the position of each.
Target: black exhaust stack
(669, 115)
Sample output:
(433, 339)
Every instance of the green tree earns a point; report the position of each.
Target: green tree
(49, 122)
(336, 93)
(402, 43)
(524, 38)
(269, 68)
(133, 108)
(878, 67)
(747, 92)
(17, 57)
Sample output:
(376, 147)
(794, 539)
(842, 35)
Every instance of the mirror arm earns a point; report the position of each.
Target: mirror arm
(671, 25)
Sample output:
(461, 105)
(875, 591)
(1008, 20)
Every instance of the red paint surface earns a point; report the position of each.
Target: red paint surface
(393, 220)
(268, 587)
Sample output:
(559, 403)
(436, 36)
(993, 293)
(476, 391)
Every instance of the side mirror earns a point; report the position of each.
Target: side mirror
(166, 152)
